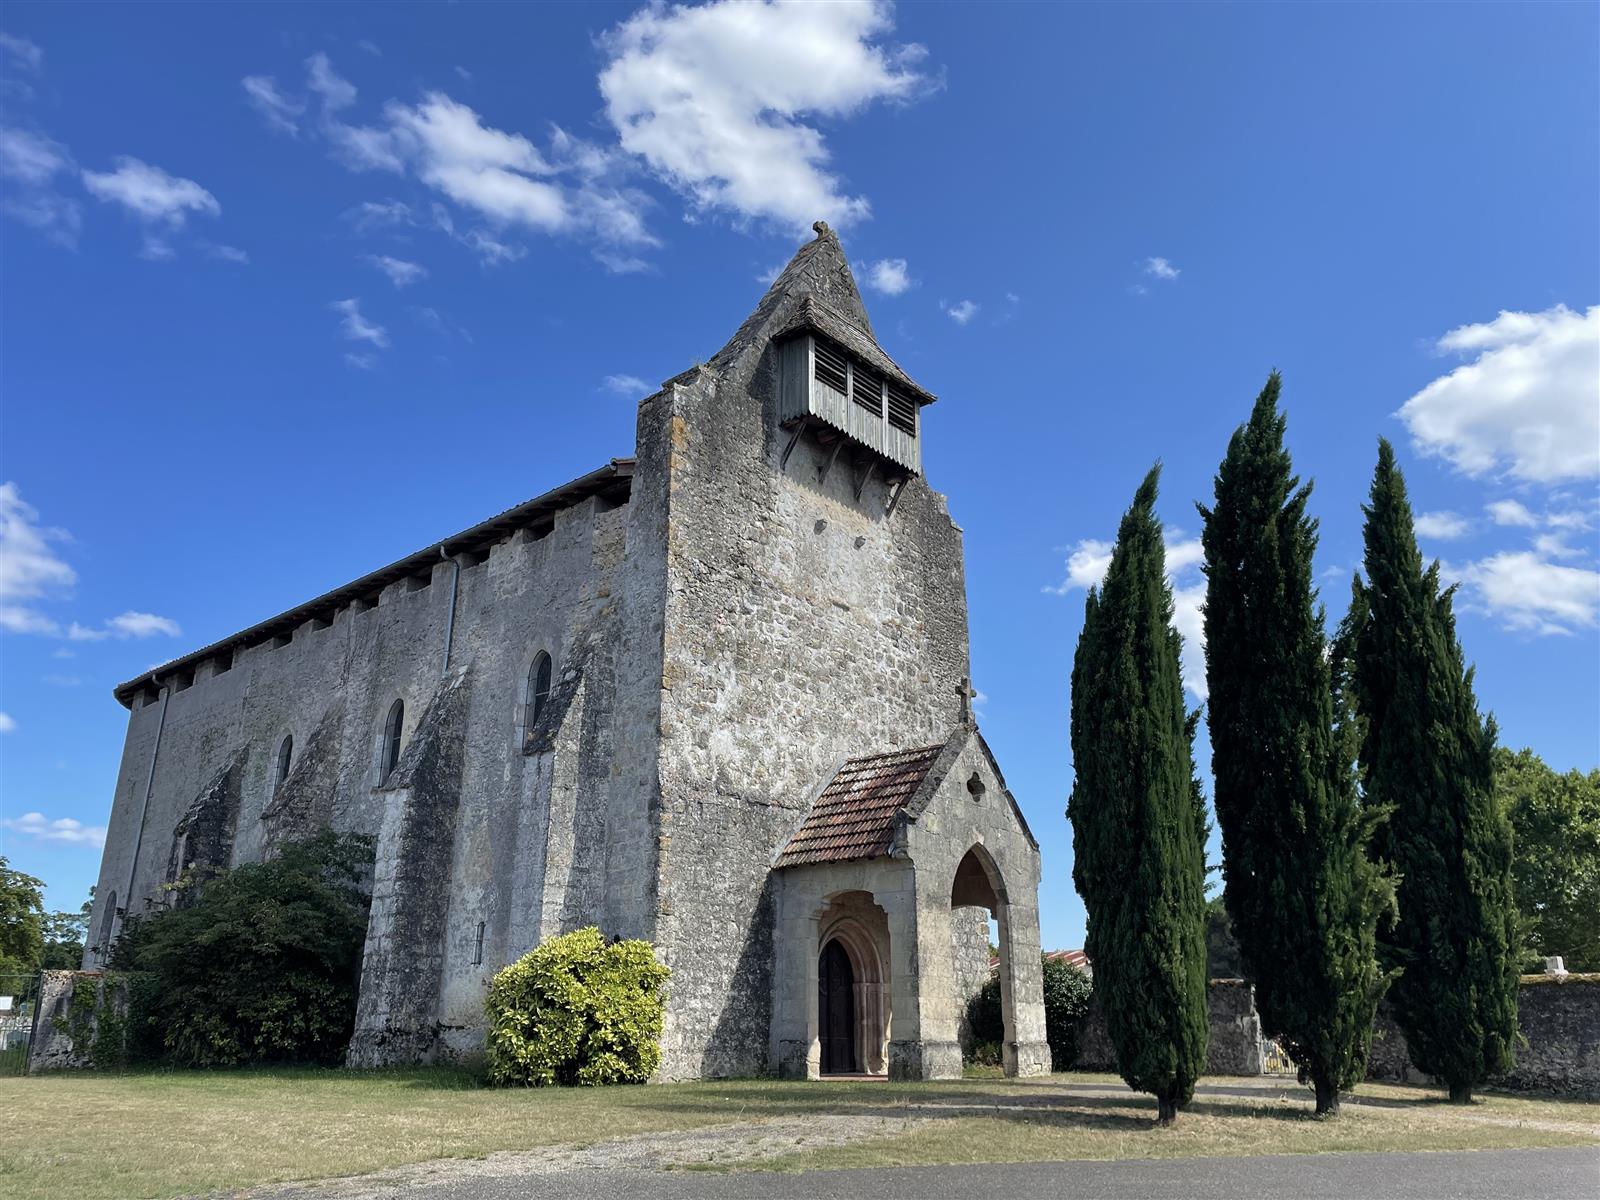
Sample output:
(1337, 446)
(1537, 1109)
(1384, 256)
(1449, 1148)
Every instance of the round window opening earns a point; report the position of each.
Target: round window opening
(976, 788)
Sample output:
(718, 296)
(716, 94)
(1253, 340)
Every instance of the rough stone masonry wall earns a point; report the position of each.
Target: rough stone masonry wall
(801, 627)
(331, 687)
(1234, 1047)
(1559, 1020)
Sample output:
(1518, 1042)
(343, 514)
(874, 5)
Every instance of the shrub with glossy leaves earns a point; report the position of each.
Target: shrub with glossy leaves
(577, 1010)
(1066, 998)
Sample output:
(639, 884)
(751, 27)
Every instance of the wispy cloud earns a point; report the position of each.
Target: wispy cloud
(282, 113)
(8, 723)
(1511, 512)
(960, 312)
(31, 163)
(61, 829)
(625, 385)
(1160, 268)
(1442, 526)
(400, 272)
(357, 328)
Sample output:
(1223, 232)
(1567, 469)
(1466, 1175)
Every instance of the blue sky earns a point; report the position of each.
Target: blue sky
(287, 292)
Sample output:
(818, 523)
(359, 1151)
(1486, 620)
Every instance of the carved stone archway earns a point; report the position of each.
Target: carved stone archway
(861, 929)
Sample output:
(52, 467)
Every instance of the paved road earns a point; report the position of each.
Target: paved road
(1571, 1174)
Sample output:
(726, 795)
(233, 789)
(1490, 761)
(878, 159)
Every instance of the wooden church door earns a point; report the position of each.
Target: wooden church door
(836, 1011)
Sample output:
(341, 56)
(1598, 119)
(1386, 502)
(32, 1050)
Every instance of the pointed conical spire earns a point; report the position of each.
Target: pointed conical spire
(819, 272)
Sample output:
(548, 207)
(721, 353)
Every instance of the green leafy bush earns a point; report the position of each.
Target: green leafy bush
(577, 1011)
(1066, 997)
(263, 965)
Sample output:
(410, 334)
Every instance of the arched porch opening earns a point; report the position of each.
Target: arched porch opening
(978, 883)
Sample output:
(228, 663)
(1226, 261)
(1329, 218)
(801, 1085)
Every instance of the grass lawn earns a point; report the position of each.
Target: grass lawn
(168, 1134)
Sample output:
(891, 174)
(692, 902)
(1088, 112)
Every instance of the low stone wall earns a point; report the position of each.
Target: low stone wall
(51, 1048)
(1235, 1041)
(1559, 1051)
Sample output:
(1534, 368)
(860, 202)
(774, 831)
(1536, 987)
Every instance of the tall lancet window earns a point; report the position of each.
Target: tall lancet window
(285, 757)
(538, 689)
(391, 739)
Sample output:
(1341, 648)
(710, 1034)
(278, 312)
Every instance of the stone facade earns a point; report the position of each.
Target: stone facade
(733, 612)
(1559, 1054)
(1234, 1038)
(1558, 1019)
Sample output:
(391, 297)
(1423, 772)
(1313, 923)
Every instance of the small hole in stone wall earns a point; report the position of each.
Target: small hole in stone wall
(477, 953)
(976, 788)
(820, 525)
(860, 542)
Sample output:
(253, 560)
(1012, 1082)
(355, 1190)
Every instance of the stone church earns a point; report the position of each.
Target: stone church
(713, 695)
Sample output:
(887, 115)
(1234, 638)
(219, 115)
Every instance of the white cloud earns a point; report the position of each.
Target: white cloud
(357, 328)
(625, 385)
(1524, 406)
(713, 98)
(225, 253)
(322, 79)
(29, 567)
(1511, 512)
(281, 112)
(22, 54)
(1554, 545)
(62, 829)
(1442, 526)
(150, 193)
(960, 312)
(399, 271)
(770, 275)
(141, 624)
(371, 47)
(890, 276)
(8, 723)
(373, 214)
(361, 362)
(1160, 268)
(31, 161)
(1530, 594)
(1090, 558)
(30, 157)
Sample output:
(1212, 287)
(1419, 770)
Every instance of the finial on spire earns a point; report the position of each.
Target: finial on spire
(820, 228)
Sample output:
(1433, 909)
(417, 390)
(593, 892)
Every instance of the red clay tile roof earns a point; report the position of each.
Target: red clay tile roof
(854, 816)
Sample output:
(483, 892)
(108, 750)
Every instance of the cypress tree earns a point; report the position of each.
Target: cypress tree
(1427, 755)
(1301, 891)
(1138, 820)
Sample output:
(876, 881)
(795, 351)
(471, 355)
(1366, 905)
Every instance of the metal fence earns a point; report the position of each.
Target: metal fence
(19, 997)
(1275, 1059)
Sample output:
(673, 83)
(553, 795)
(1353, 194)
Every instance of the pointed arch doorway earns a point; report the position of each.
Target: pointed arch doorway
(836, 1010)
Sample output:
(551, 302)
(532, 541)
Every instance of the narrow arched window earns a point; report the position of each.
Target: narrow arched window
(538, 689)
(108, 925)
(391, 738)
(285, 757)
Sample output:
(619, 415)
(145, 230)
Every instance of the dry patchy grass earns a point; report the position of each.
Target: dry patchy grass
(164, 1134)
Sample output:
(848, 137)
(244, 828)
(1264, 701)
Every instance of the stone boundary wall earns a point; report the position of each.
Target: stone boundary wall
(1235, 1042)
(52, 1047)
(1559, 1053)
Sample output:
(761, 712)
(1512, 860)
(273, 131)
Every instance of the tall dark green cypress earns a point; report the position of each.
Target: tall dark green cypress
(1137, 824)
(1301, 891)
(1427, 755)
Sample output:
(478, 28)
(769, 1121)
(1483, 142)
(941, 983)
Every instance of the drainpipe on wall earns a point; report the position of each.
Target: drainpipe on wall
(144, 806)
(450, 620)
